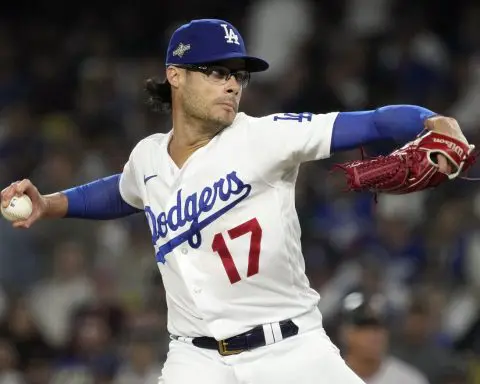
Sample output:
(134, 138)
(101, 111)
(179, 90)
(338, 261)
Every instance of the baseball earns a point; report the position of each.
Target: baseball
(19, 208)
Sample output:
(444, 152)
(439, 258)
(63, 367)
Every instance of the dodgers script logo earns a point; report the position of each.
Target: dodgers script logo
(187, 212)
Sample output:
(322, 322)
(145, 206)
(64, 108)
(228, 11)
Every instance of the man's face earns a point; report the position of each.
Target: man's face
(210, 98)
(370, 341)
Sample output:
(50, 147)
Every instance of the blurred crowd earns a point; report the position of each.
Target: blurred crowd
(83, 302)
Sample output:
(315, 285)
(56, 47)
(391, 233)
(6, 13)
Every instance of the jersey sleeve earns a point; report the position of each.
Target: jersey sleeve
(129, 183)
(290, 139)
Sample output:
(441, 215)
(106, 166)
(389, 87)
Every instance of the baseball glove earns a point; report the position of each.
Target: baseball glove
(410, 168)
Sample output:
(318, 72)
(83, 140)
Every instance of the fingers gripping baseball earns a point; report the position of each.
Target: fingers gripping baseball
(20, 188)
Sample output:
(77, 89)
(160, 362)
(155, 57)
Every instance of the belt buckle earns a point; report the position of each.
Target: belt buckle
(223, 350)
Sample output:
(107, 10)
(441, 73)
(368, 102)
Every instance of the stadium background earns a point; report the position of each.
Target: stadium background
(85, 299)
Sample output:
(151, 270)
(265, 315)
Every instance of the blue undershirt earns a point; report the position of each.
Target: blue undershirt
(398, 123)
(101, 199)
(98, 200)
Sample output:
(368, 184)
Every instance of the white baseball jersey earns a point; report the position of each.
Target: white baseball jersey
(224, 226)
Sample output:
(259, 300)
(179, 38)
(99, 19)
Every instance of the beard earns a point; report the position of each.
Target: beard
(195, 107)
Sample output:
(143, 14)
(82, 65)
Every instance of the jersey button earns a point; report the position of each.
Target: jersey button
(184, 251)
(197, 290)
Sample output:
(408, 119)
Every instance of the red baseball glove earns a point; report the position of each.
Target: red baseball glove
(412, 168)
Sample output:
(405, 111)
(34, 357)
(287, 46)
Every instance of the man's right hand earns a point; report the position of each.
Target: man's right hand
(39, 202)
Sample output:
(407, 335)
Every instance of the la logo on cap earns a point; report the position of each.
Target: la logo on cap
(230, 36)
(181, 50)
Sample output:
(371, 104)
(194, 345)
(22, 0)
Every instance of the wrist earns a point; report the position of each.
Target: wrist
(55, 205)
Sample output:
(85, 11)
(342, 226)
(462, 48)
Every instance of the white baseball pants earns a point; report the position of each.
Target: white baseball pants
(307, 358)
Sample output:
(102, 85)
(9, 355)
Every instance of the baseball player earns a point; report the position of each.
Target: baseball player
(218, 194)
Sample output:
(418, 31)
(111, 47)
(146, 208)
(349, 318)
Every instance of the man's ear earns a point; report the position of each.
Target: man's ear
(173, 76)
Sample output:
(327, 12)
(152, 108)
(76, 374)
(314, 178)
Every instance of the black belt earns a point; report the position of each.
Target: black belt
(251, 339)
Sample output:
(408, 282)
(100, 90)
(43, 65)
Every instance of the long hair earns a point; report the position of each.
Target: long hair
(159, 95)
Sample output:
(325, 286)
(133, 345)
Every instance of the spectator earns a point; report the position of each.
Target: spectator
(90, 352)
(8, 364)
(23, 334)
(53, 301)
(142, 362)
(365, 338)
(416, 343)
(104, 302)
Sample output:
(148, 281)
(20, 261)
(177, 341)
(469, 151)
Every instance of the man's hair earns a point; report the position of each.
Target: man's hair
(159, 95)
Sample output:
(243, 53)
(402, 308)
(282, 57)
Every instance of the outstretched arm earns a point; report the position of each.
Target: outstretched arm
(98, 200)
(400, 123)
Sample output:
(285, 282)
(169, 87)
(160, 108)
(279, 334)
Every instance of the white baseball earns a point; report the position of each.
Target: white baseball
(19, 208)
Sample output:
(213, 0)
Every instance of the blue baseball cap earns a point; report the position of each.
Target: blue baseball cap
(206, 41)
